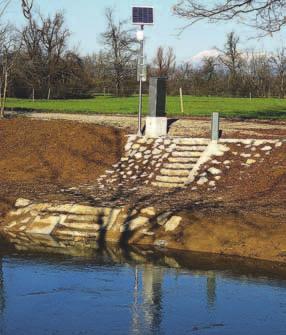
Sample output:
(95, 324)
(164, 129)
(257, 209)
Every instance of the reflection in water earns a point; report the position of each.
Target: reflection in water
(92, 290)
(2, 297)
(135, 307)
(211, 288)
(147, 314)
(152, 296)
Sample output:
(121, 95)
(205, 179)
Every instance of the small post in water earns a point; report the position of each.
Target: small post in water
(215, 126)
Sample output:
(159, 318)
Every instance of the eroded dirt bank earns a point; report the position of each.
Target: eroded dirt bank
(244, 215)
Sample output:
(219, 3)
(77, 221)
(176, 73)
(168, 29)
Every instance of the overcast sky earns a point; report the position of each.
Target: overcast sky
(85, 18)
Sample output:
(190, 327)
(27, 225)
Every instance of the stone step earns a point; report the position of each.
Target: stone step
(171, 172)
(171, 179)
(178, 166)
(167, 185)
(82, 226)
(85, 218)
(183, 159)
(192, 141)
(76, 233)
(65, 238)
(191, 148)
(81, 210)
(186, 154)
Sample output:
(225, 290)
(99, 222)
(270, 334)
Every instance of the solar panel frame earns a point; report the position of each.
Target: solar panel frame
(143, 15)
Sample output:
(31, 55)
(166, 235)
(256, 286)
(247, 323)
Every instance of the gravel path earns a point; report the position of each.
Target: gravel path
(195, 127)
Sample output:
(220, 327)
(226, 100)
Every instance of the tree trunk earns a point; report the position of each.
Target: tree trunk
(1, 116)
(3, 99)
(282, 87)
(117, 87)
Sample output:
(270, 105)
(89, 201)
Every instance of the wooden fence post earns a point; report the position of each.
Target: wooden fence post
(181, 100)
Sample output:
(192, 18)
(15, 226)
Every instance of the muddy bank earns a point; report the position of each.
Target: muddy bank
(59, 161)
(230, 232)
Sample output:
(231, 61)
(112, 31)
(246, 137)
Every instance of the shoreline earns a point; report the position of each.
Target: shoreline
(201, 230)
(169, 257)
(241, 214)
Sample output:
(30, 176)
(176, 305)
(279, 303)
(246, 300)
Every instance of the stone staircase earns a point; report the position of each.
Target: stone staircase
(83, 226)
(78, 230)
(176, 170)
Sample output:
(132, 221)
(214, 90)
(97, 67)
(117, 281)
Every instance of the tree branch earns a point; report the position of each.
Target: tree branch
(268, 16)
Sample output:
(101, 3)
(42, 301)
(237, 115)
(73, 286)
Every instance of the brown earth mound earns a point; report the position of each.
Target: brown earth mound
(39, 157)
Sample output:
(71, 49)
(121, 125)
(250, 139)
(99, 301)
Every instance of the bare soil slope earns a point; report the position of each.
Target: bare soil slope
(38, 157)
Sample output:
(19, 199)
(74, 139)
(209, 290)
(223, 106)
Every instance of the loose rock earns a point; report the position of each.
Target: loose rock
(173, 223)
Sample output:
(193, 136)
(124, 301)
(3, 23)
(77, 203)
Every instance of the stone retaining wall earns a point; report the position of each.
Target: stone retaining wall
(76, 222)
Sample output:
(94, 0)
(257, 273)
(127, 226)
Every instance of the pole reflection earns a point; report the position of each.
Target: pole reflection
(211, 289)
(152, 296)
(147, 305)
(148, 285)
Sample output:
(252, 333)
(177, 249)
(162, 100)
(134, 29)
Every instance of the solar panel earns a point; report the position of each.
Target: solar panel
(142, 15)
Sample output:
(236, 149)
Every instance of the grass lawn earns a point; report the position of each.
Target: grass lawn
(194, 106)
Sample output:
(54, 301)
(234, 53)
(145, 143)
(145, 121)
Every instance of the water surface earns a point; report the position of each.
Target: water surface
(72, 289)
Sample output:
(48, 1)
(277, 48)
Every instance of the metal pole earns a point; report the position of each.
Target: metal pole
(215, 126)
(140, 109)
(141, 64)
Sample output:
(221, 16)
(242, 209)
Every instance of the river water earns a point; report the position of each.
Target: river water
(57, 287)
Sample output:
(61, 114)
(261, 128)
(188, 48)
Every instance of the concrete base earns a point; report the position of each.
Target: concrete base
(156, 126)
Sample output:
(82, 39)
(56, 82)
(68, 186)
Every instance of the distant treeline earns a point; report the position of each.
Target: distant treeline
(36, 62)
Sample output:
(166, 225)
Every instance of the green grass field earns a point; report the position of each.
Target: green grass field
(193, 106)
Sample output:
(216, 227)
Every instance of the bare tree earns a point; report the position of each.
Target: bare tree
(54, 36)
(231, 58)
(208, 67)
(258, 74)
(32, 56)
(120, 47)
(279, 66)
(209, 74)
(97, 65)
(267, 16)
(44, 46)
(165, 62)
(8, 54)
